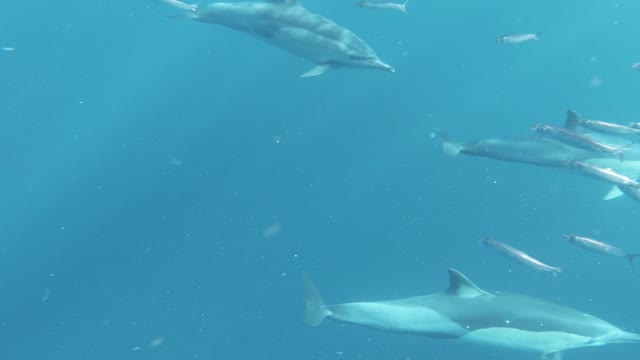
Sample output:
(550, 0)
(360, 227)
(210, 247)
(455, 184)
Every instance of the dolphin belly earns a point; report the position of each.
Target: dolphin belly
(398, 318)
(543, 342)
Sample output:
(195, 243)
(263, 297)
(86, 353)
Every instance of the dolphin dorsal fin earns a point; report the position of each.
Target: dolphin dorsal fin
(573, 119)
(460, 285)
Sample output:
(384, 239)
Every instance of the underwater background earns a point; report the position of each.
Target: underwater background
(165, 182)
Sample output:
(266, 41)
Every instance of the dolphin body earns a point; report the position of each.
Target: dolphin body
(466, 312)
(532, 150)
(288, 25)
(545, 153)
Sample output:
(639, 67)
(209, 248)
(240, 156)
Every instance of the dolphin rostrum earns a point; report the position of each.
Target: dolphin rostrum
(288, 25)
(466, 312)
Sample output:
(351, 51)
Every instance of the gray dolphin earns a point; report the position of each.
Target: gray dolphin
(288, 25)
(546, 153)
(527, 150)
(466, 312)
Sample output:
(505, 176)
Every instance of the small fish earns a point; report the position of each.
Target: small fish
(603, 174)
(520, 257)
(380, 4)
(635, 125)
(600, 247)
(608, 128)
(636, 66)
(517, 38)
(8, 48)
(599, 126)
(572, 138)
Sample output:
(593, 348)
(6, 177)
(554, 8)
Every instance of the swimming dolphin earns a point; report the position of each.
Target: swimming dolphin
(288, 25)
(527, 150)
(466, 312)
(544, 153)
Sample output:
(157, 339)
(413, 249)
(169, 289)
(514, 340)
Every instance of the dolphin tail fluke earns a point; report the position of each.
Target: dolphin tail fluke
(450, 148)
(552, 356)
(179, 5)
(404, 6)
(315, 311)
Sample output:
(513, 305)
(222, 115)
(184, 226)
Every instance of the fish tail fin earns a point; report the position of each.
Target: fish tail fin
(176, 4)
(620, 155)
(404, 6)
(557, 271)
(537, 36)
(631, 258)
(450, 147)
(315, 311)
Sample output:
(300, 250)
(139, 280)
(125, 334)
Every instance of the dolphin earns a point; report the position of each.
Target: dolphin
(288, 25)
(466, 312)
(539, 152)
(533, 151)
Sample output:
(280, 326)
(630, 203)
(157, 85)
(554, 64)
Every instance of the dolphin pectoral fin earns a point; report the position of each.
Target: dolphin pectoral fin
(315, 310)
(552, 356)
(317, 70)
(613, 193)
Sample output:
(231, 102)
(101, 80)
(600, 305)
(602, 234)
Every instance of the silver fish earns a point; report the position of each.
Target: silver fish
(521, 257)
(603, 174)
(517, 38)
(599, 247)
(575, 139)
(604, 127)
(383, 5)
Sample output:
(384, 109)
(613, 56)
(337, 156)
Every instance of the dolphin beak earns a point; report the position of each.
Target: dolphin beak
(383, 66)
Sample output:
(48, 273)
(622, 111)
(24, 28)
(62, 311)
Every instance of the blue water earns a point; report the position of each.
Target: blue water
(165, 182)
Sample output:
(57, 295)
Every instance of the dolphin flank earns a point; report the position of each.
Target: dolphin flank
(466, 312)
(288, 25)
